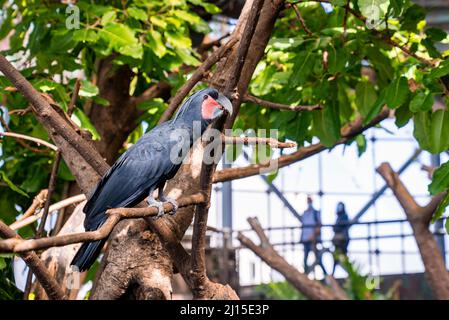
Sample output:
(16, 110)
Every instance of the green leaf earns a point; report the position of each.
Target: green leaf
(108, 17)
(156, 44)
(326, 122)
(187, 57)
(286, 43)
(441, 71)
(11, 185)
(361, 144)
(2, 263)
(422, 101)
(365, 98)
(86, 35)
(397, 93)
(137, 13)
(402, 115)
(337, 60)
(440, 211)
(121, 38)
(440, 179)
(178, 39)
(82, 120)
(431, 130)
(302, 68)
(88, 89)
(375, 108)
(373, 10)
(209, 7)
(436, 34)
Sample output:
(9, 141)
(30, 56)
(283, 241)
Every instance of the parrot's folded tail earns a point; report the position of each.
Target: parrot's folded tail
(87, 254)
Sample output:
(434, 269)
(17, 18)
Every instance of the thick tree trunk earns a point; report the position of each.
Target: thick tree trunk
(186, 181)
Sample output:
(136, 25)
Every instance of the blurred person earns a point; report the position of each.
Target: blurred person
(311, 234)
(341, 233)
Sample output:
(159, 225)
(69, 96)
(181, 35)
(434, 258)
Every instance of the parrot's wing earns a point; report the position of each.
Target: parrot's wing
(128, 181)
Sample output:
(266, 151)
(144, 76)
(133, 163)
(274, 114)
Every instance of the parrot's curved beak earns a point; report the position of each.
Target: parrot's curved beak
(225, 103)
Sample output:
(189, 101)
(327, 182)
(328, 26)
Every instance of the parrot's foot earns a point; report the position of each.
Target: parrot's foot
(173, 202)
(157, 204)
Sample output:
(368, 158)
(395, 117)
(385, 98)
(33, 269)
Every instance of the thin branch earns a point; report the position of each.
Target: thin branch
(217, 42)
(348, 132)
(54, 207)
(311, 289)
(411, 207)
(25, 137)
(301, 19)
(195, 78)
(274, 105)
(273, 143)
(114, 216)
(36, 265)
(38, 203)
(152, 92)
(387, 39)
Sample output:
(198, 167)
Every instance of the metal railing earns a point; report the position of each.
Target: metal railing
(393, 251)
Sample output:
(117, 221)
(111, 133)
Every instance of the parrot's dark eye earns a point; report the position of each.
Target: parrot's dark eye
(205, 97)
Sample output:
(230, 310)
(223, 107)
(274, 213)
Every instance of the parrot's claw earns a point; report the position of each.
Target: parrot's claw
(160, 207)
(174, 203)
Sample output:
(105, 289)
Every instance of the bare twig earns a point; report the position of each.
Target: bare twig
(301, 19)
(114, 216)
(20, 112)
(274, 105)
(38, 203)
(25, 137)
(273, 143)
(54, 207)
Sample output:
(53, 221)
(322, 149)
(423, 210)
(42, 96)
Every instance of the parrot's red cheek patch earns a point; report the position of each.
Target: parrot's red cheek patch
(208, 107)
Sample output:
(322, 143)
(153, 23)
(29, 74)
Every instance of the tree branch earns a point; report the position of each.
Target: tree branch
(419, 218)
(274, 105)
(115, 215)
(311, 289)
(273, 143)
(301, 19)
(25, 137)
(38, 203)
(54, 207)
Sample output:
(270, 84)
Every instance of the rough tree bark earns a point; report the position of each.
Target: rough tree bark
(419, 218)
(187, 180)
(311, 289)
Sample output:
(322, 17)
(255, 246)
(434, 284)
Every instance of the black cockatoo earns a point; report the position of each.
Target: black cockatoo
(148, 164)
